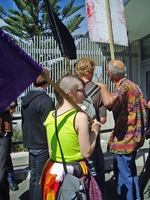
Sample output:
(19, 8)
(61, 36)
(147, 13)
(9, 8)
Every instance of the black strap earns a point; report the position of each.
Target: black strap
(63, 160)
(93, 90)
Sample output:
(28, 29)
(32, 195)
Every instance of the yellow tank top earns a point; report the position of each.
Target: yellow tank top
(67, 135)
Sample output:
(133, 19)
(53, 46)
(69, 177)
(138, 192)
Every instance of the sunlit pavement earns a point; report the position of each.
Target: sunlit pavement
(23, 194)
(22, 178)
(22, 174)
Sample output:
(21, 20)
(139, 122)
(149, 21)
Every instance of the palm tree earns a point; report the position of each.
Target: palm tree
(2, 12)
(30, 18)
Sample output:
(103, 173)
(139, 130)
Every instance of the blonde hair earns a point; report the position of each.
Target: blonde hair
(84, 67)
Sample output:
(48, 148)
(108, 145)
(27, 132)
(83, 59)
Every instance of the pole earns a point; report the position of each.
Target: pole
(68, 66)
(110, 30)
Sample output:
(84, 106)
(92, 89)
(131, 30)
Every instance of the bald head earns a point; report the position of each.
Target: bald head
(69, 83)
(117, 68)
(117, 64)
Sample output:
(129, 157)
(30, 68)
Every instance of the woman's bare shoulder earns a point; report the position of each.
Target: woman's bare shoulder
(81, 116)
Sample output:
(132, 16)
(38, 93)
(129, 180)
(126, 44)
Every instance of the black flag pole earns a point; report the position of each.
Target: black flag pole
(61, 34)
(54, 26)
(67, 48)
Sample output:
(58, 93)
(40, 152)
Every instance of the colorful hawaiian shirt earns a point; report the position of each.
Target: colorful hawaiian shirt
(130, 118)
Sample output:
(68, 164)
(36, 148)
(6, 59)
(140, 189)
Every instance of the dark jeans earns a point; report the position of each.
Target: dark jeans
(37, 162)
(5, 143)
(126, 176)
(10, 170)
(98, 163)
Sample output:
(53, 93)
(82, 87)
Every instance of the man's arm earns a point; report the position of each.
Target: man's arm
(106, 96)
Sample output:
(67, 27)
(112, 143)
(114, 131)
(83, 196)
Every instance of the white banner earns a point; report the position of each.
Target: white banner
(98, 25)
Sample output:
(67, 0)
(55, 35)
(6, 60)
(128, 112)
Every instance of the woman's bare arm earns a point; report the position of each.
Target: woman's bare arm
(87, 138)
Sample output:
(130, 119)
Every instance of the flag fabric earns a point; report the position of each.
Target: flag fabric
(17, 70)
(98, 25)
(61, 34)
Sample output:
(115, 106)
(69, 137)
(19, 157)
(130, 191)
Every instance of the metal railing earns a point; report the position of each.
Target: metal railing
(20, 141)
(45, 51)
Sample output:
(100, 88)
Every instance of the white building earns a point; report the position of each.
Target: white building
(137, 14)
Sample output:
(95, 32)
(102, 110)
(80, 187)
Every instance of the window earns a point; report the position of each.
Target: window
(145, 49)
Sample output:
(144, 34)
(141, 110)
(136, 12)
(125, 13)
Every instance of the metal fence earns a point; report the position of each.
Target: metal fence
(45, 51)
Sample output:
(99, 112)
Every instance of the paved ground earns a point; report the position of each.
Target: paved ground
(22, 193)
(23, 182)
(21, 164)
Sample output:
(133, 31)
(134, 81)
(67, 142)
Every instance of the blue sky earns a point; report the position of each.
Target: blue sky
(10, 4)
(7, 4)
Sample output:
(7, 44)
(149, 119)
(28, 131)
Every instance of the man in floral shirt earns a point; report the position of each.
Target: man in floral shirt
(128, 106)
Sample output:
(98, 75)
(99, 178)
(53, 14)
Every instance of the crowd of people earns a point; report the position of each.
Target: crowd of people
(80, 140)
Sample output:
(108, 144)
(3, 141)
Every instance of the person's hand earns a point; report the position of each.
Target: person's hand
(101, 85)
(96, 126)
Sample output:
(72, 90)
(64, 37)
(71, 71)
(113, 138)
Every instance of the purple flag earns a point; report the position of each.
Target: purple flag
(17, 70)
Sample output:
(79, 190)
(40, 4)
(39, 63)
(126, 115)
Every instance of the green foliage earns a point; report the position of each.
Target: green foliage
(74, 23)
(69, 10)
(17, 139)
(2, 12)
(30, 18)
